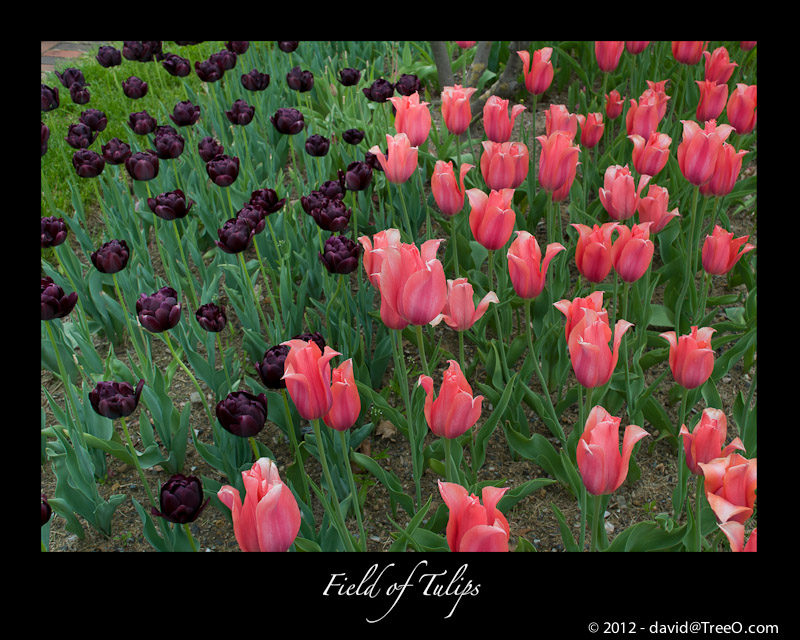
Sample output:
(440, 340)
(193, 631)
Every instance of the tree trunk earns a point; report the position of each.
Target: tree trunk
(442, 61)
(506, 86)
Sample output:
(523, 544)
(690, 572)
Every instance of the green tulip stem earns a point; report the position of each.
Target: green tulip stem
(189, 276)
(190, 536)
(406, 219)
(421, 345)
(102, 208)
(252, 290)
(353, 494)
(138, 466)
(689, 276)
(538, 368)
(333, 505)
(681, 453)
(142, 359)
(295, 446)
(254, 447)
(461, 358)
(191, 377)
(275, 308)
(402, 380)
(597, 523)
(222, 361)
(454, 240)
(698, 503)
(496, 315)
(451, 473)
(230, 202)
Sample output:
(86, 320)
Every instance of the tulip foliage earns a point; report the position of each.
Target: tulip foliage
(322, 238)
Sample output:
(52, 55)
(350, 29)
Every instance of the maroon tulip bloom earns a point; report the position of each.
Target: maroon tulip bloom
(112, 257)
(71, 76)
(115, 399)
(241, 113)
(94, 119)
(314, 336)
(255, 80)
(134, 88)
(225, 60)
(187, 43)
(270, 369)
(288, 121)
(331, 215)
(349, 77)
(176, 65)
(408, 84)
(267, 199)
(208, 71)
(317, 145)
(88, 164)
(235, 235)
(287, 46)
(254, 215)
(55, 303)
(379, 91)
(340, 255)
(108, 57)
(223, 170)
(79, 94)
(115, 151)
(80, 136)
(358, 176)
(50, 99)
(211, 317)
(170, 205)
(353, 136)
(301, 81)
(168, 143)
(142, 123)
(209, 148)
(142, 165)
(45, 137)
(237, 46)
(185, 114)
(140, 50)
(54, 231)
(181, 499)
(47, 510)
(242, 413)
(160, 311)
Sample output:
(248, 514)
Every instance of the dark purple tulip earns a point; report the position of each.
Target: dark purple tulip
(176, 65)
(255, 80)
(45, 137)
(298, 80)
(181, 499)
(115, 399)
(340, 255)
(225, 60)
(55, 303)
(115, 151)
(223, 170)
(288, 121)
(50, 99)
(87, 163)
(47, 510)
(168, 143)
(313, 200)
(54, 231)
(142, 165)
(94, 119)
(79, 93)
(170, 205)
(237, 46)
(349, 77)
(314, 336)
(372, 160)
(80, 136)
(208, 71)
(209, 148)
(317, 145)
(211, 317)
(140, 50)
(353, 136)
(241, 113)
(270, 369)
(112, 257)
(108, 57)
(142, 123)
(334, 189)
(379, 91)
(332, 215)
(287, 46)
(358, 176)
(185, 114)
(187, 43)
(70, 76)
(267, 200)
(235, 235)
(407, 84)
(254, 215)
(242, 413)
(134, 88)
(159, 312)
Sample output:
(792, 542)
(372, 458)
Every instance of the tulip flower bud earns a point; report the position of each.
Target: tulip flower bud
(317, 145)
(504, 165)
(632, 251)
(170, 205)
(402, 158)
(593, 361)
(255, 80)
(176, 65)
(181, 499)
(54, 231)
(267, 200)
(726, 172)
(718, 67)
(115, 399)
(141, 50)
(298, 80)
(134, 88)
(288, 121)
(242, 413)
(223, 170)
(456, 110)
(225, 59)
(721, 251)
(112, 257)
(698, 150)
(713, 97)
(558, 161)
(526, 268)
(55, 303)
(730, 484)
(706, 441)
(358, 176)
(168, 143)
(650, 155)
(271, 367)
(185, 114)
(71, 76)
(160, 311)
(108, 57)
(473, 526)
(88, 164)
(240, 113)
(349, 76)
(346, 405)
(459, 311)
(593, 251)
(408, 84)
(208, 70)
(496, 121)
(142, 123)
(331, 214)
(412, 118)
(741, 110)
(608, 54)
(558, 118)
(340, 255)
(538, 70)
(642, 117)
(574, 310)
(379, 91)
(454, 410)
(254, 215)
(614, 104)
(373, 256)
(307, 373)
(619, 194)
(688, 51)
(653, 208)
(209, 148)
(211, 317)
(636, 47)
(353, 136)
(80, 136)
(94, 119)
(115, 151)
(142, 165)
(50, 98)
(235, 235)
(448, 193)
(491, 218)
(591, 129)
(691, 357)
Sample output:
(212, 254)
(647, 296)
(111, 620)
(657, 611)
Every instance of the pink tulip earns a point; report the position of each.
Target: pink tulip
(491, 218)
(632, 251)
(454, 410)
(558, 161)
(741, 110)
(698, 150)
(402, 161)
(269, 518)
(653, 208)
(456, 110)
(591, 129)
(307, 372)
(688, 51)
(346, 405)
(412, 284)
(713, 97)
(719, 67)
(658, 91)
(608, 53)
(526, 268)
(706, 441)
(593, 361)
(593, 251)
(558, 118)
(538, 71)
(721, 251)
(730, 484)
(466, 44)
(691, 357)
(504, 165)
(636, 47)
(614, 104)
(496, 122)
(447, 191)
(473, 526)
(619, 193)
(412, 118)
(747, 45)
(575, 309)
(726, 172)
(460, 312)
(603, 468)
(650, 155)
(642, 117)
(372, 258)
(734, 531)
